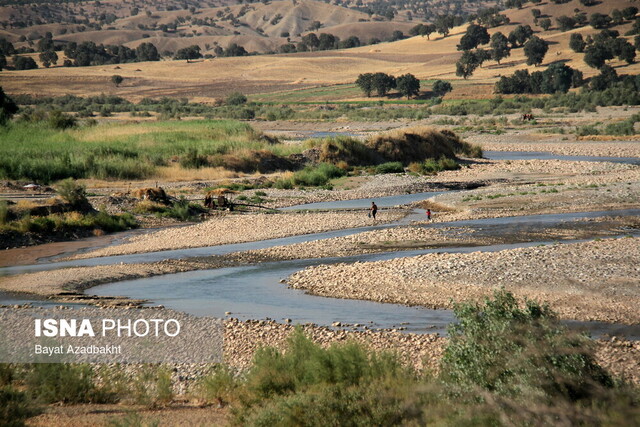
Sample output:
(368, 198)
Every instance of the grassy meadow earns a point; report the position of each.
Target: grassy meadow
(121, 151)
(132, 151)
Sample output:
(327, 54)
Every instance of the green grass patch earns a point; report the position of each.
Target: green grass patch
(37, 152)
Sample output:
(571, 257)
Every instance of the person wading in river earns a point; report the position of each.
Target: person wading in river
(373, 209)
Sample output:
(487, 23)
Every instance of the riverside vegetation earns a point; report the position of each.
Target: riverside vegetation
(507, 362)
(42, 153)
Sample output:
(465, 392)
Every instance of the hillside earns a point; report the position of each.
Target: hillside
(272, 75)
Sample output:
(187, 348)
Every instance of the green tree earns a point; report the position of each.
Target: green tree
(616, 17)
(599, 21)
(499, 47)
(188, 53)
(476, 35)
(535, 50)
(467, 64)
(383, 83)
(117, 79)
(235, 49)
(3, 62)
(328, 42)
(311, 41)
(7, 108)
(443, 24)
(545, 23)
(441, 87)
(520, 35)
(24, 63)
(597, 54)
(577, 43)
(629, 13)
(147, 52)
(6, 47)
(556, 78)
(565, 23)
(365, 83)
(48, 57)
(408, 85)
(627, 53)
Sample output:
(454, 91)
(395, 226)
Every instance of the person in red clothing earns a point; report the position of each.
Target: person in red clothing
(428, 214)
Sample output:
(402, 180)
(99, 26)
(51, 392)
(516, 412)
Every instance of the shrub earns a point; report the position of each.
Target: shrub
(513, 351)
(296, 385)
(152, 385)
(236, 98)
(73, 193)
(390, 167)
(312, 176)
(433, 166)
(59, 120)
(219, 385)
(65, 383)
(15, 407)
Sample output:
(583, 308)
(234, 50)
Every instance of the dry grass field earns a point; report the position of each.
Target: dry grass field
(275, 77)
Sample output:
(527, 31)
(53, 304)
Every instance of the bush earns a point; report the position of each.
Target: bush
(15, 407)
(59, 120)
(433, 166)
(65, 383)
(390, 167)
(293, 387)
(312, 176)
(513, 351)
(73, 193)
(236, 98)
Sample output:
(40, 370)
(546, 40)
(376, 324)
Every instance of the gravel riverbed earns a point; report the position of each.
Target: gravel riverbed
(595, 280)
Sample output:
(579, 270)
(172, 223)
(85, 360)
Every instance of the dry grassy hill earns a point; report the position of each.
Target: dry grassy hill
(212, 79)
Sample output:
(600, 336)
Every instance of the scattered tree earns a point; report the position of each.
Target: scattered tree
(629, 13)
(476, 35)
(24, 63)
(535, 50)
(408, 85)
(599, 21)
(443, 24)
(383, 83)
(48, 57)
(545, 23)
(467, 64)
(577, 43)
(520, 35)
(365, 83)
(565, 23)
(441, 87)
(596, 55)
(188, 53)
(499, 47)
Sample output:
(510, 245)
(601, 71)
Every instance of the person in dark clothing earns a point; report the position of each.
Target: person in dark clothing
(373, 209)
